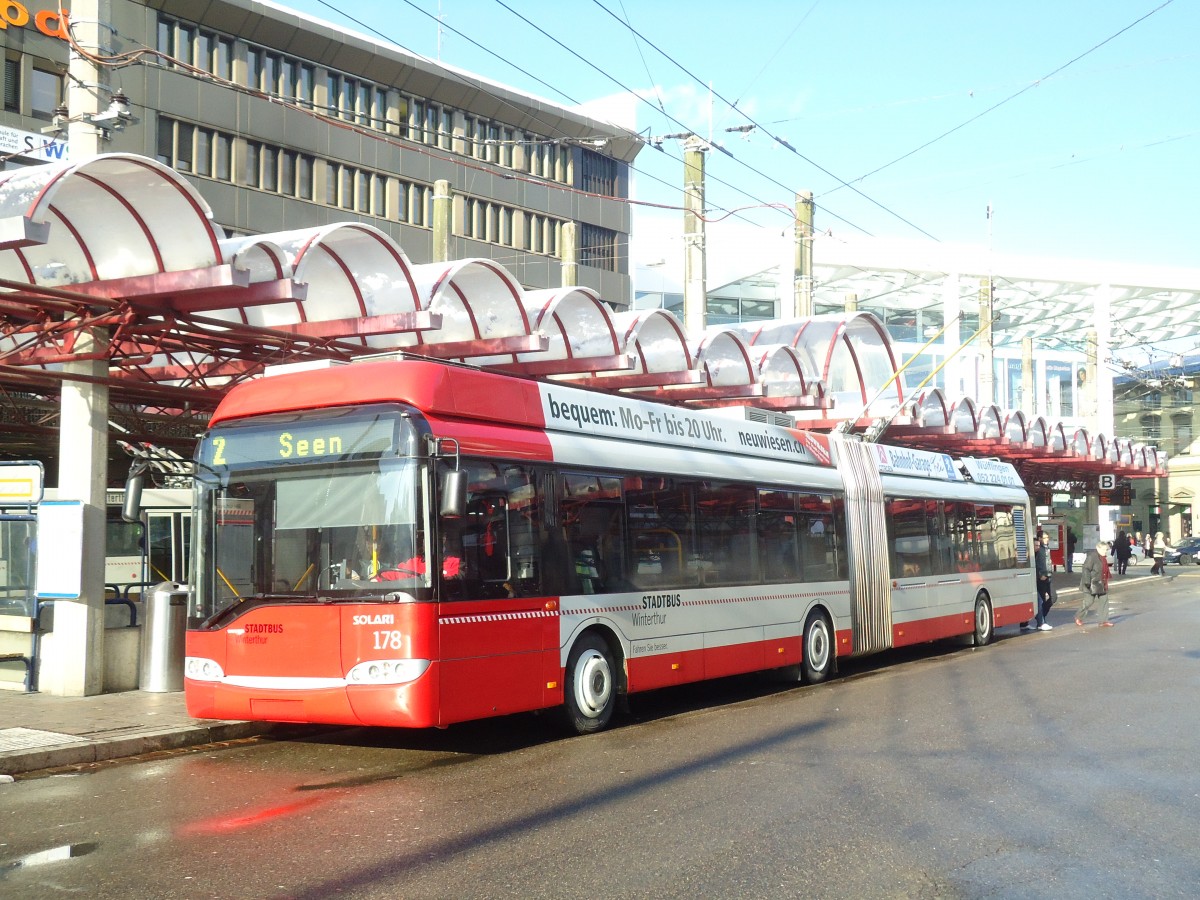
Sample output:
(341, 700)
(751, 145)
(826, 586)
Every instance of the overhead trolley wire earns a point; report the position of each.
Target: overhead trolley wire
(672, 118)
(1007, 99)
(783, 143)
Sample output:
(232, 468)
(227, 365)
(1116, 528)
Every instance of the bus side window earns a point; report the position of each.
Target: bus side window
(778, 536)
(593, 515)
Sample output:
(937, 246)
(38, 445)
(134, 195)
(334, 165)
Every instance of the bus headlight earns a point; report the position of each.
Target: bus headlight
(387, 671)
(198, 668)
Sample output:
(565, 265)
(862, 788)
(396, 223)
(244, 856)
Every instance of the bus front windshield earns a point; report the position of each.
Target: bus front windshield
(347, 532)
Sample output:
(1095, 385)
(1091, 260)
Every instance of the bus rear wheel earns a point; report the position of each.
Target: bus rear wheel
(983, 620)
(817, 664)
(591, 688)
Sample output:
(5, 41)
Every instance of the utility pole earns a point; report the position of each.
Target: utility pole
(987, 377)
(695, 266)
(443, 201)
(804, 254)
(1089, 396)
(1028, 400)
(570, 255)
(695, 274)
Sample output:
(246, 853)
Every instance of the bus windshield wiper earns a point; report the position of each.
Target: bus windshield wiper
(250, 599)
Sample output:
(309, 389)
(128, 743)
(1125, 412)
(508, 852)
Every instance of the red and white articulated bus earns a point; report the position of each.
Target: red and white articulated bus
(414, 543)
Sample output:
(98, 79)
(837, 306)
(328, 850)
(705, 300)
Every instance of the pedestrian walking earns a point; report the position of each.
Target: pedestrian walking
(1159, 550)
(1068, 559)
(1093, 585)
(1122, 550)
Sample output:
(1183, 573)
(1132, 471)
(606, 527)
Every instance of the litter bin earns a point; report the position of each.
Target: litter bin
(164, 627)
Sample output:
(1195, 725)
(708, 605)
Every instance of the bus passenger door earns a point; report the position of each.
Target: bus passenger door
(493, 615)
(910, 561)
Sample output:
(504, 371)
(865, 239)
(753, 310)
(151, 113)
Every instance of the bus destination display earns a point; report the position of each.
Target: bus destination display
(323, 438)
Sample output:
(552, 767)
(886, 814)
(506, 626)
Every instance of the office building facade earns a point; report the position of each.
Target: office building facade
(284, 122)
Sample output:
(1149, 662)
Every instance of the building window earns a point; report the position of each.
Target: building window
(222, 60)
(1182, 427)
(45, 93)
(252, 168)
(193, 148)
(287, 172)
(433, 115)
(254, 68)
(418, 213)
(269, 168)
(305, 166)
(12, 85)
(362, 104)
(599, 174)
(222, 157)
(598, 247)
(1151, 429)
(333, 92)
(306, 77)
(355, 189)
(506, 227)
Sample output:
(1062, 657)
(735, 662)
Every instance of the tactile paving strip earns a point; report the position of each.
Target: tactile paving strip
(31, 739)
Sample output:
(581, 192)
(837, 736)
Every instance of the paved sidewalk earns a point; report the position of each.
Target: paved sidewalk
(41, 731)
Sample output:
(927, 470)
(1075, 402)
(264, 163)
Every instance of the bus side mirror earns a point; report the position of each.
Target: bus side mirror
(131, 510)
(454, 494)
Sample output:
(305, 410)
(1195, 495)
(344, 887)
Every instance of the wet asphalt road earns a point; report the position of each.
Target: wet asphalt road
(1047, 765)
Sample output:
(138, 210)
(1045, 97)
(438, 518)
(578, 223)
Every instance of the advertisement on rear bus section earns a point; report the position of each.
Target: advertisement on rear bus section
(919, 463)
(607, 416)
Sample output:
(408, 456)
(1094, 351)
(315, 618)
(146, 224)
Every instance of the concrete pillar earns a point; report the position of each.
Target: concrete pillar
(83, 420)
(82, 476)
(851, 303)
(442, 200)
(570, 254)
(695, 277)
(804, 254)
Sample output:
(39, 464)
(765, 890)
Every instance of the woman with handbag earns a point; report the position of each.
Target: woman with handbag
(1093, 585)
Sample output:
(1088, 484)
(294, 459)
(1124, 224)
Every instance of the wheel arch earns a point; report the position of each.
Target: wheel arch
(607, 632)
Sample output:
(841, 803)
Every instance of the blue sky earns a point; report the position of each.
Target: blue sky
(1090, 150)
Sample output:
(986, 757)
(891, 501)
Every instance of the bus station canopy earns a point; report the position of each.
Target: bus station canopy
(119, 254)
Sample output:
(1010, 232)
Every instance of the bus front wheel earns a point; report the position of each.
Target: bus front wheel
(591, 688)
